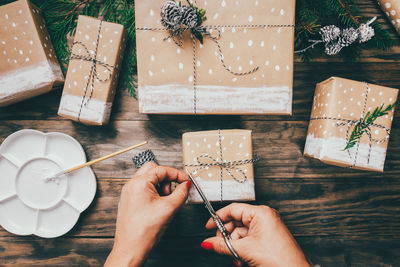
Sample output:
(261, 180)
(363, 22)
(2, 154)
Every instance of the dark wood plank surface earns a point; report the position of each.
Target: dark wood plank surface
(340, 217)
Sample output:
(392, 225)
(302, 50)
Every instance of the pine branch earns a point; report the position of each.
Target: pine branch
(362, 126)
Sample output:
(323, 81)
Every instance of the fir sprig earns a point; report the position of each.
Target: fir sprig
(61, 20)
(311, 15)
(362, 126)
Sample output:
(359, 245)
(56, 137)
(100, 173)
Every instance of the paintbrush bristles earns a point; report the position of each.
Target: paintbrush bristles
(56, 176)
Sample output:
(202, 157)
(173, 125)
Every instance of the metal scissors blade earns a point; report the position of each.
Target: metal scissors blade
(216, 218)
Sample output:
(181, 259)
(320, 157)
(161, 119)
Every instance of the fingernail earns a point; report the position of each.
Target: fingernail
(206, 245)
(189, 184)
(236, 262)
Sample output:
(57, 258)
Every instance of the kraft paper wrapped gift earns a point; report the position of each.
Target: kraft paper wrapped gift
(193, 80)
(93, 71)
(28, 64)
(221, 162)
(392, 10)
(339, 105)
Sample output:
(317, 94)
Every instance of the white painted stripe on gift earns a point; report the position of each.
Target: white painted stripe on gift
(332, 148)
(178, 99)
(23, 82)
(232, 190)
(95, 110)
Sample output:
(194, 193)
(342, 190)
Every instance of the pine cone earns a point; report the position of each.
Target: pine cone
(365, 33)
(171, 15)
(189, 17)
(348, 36)
(333, 48)
(329, 33)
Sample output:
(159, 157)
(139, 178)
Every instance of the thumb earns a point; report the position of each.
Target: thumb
(218, 245)
(179, 195)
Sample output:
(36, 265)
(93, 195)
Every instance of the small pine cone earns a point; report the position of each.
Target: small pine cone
(348, 36)
(329, 33)
(189, 17)
(333, 48)
(171, 15)
(365, 33)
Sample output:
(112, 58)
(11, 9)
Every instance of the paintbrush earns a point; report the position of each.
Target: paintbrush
(65, 172)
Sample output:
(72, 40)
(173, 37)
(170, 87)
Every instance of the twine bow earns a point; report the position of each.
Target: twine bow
(84, 54)
(178, 18)
(361, 127)
(205, 161)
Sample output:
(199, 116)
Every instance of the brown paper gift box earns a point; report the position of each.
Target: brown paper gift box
(220, 183)
(28, 64)
(392, 10)
(80, 101)
(166, 71)
(338, 101)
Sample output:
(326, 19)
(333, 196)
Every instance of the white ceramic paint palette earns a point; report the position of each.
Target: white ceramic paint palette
(29, 204)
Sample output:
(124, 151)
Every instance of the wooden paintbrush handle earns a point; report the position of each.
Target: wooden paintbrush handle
(105, 157)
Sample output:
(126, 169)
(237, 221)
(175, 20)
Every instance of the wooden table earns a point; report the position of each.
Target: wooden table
(340, 217)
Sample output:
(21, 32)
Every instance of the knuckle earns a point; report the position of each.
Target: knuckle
(270, 212)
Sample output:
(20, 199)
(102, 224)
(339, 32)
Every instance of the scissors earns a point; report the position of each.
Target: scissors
(216, 218)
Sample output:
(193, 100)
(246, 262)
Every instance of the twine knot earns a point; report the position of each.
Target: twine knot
(205, 161)
(93, 74)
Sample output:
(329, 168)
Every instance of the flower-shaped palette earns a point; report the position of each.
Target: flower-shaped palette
(28, 203)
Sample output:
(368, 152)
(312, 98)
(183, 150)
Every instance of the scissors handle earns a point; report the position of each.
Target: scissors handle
(226, 235)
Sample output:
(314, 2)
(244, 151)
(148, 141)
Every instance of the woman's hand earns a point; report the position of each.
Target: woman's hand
(143, 214)
(258, 236)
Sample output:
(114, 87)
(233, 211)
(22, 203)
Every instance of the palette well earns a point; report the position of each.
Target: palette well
(28, 203)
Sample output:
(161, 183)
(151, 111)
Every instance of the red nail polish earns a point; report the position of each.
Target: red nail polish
(206, 245)
(236, 262)
(189, 184)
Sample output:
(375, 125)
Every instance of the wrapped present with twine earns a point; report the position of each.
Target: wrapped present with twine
(222, 163)
(350, 123)
(392, 11)
(215, 57)
(28, 63)
(93, 70)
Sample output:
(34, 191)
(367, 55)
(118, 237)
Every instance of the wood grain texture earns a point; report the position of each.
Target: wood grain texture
(309, 206)
(340, 217)
(330, 251)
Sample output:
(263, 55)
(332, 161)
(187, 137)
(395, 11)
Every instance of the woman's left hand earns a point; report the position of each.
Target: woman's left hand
(143, 214)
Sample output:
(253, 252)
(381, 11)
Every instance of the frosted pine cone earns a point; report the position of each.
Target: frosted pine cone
(171, 15)
(329, 33)
(348, 36)
(365, 33)
(333, 48)
(189, 17)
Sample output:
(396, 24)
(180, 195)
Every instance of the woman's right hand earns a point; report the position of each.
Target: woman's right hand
(258, 236)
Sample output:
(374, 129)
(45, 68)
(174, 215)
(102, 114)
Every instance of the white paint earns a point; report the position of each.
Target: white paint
(29, 81)
(331, 148)
(178, 99)
(231, 190)
(25, 195)
(95, 110)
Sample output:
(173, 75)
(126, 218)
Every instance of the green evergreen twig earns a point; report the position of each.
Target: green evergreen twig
(362, 126)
